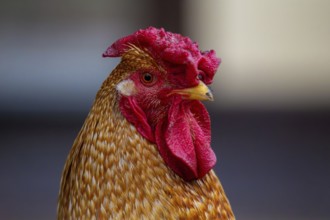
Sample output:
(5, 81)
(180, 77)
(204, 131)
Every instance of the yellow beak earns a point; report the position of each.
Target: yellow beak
(199, 92)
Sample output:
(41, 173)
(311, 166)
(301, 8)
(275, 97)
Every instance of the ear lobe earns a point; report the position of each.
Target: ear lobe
(126, 87)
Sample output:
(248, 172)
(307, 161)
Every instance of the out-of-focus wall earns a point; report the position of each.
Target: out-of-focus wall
(51, 51)
(276, 54)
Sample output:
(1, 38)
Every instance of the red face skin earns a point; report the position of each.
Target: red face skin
(179, 127)
(153, 96)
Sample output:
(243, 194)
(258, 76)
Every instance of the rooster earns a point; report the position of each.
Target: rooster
(144, 150)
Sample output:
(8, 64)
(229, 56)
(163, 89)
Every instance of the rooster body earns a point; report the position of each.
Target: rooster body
(117, 169)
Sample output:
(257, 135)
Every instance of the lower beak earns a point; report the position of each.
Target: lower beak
(199, 92)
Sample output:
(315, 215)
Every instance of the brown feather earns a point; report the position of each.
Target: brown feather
(112, 172)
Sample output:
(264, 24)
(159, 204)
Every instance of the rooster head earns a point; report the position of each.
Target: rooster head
(160, 93)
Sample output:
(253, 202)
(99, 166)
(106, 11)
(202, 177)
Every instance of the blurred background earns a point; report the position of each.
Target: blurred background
(270, 117)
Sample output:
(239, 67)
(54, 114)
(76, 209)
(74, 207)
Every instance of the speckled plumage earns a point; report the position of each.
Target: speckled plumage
(112, 172)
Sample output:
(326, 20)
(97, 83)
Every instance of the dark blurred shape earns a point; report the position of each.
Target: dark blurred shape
(273, 165)
(169, 15)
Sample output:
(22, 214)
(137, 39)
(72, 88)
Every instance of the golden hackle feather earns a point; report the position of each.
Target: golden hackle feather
(112, 172)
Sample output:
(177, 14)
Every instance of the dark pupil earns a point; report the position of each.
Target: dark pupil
(147, 77)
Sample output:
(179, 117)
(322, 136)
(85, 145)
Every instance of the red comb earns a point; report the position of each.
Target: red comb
(179, 55)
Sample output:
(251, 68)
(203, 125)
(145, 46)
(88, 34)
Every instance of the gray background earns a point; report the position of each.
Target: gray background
(270, 117)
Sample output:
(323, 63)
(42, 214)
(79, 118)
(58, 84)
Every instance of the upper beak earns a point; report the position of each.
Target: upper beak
(199, 92)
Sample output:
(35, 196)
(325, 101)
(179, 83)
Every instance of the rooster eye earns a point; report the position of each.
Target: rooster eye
(147, 78)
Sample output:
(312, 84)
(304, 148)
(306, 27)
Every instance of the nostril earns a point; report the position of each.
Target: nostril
(200, 76)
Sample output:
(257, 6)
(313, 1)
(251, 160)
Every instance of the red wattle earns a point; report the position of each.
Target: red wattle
(183, 136)
(135, 115)
(183, 140)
